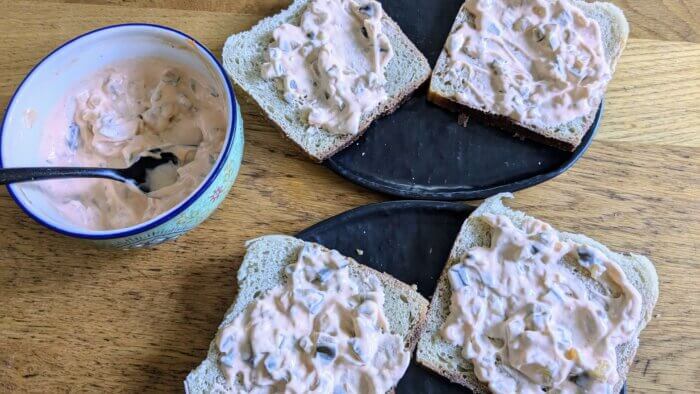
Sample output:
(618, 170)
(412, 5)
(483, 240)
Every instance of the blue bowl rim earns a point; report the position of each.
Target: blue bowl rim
(115, 234)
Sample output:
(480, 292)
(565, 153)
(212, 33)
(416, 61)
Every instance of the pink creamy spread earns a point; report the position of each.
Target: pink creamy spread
(540, 62)
(514, 305)
(332, 64)
(120, 113)
(323, 331)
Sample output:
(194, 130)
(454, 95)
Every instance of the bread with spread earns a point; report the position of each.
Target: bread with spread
(323, 70)
(307, 319)
(536, 68)
(522, 307)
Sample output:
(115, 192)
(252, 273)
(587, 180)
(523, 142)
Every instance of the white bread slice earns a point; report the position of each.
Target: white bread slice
(263, 269)
(243, 56)
(445, 359)
(614, 32)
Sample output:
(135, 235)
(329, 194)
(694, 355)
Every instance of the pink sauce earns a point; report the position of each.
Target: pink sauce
(516, 310)
(323, 331)
(119, 113)
(540, 62)
(332, 64)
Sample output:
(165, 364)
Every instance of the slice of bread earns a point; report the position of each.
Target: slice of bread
(567, 136)
(243, 56)
(263, 269)
(440, 356)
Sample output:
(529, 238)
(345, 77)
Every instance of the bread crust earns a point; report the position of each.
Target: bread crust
(507, 124)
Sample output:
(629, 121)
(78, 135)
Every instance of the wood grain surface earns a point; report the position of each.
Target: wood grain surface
(77, 319)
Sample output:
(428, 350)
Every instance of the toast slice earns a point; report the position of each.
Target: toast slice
(263, 269)
(614, 31)
(442, 357)
(243, 56)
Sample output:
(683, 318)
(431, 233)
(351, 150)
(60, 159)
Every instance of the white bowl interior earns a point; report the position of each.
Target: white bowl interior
(61, 71)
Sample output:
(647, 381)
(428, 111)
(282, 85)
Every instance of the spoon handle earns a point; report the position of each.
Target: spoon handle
(15, 175)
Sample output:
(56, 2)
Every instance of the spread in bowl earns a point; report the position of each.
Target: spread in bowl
(92, 87)
(119, 113)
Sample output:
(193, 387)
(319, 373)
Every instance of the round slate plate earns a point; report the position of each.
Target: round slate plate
(420, 152)
(410, 240)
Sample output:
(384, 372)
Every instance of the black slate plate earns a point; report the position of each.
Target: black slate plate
(420, 152)
(410, 240)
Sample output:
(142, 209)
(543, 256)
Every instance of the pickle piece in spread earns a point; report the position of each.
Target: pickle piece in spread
(331, 65)
(323, 331)
(516, 304)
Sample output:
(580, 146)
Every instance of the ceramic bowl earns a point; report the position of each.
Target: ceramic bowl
(62, 69)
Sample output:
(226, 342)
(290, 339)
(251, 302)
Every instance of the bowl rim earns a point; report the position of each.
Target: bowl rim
(173, 212)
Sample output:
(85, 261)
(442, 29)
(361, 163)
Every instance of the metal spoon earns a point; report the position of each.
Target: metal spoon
(135, 175)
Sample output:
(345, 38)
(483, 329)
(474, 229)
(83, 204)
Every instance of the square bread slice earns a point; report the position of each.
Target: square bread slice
(263, 269)
(567, 136)
(440, 356)
(243, 56)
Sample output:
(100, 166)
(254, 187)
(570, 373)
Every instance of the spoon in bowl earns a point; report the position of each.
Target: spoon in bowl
(136, 174)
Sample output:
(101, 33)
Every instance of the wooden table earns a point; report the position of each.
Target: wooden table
(78, 319)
